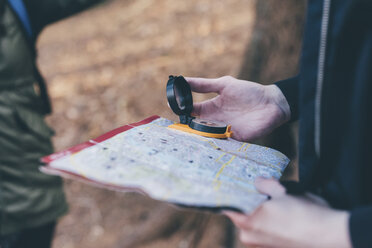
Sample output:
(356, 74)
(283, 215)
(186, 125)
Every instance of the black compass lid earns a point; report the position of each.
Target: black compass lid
(180, 98)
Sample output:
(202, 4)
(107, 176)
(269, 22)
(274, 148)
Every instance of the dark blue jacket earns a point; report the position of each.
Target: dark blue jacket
(332, 99)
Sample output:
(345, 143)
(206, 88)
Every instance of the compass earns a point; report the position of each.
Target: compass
(179, 97)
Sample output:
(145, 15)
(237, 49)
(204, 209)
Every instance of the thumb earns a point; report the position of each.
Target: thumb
(205, 109)
(269, 187)
(205, 85)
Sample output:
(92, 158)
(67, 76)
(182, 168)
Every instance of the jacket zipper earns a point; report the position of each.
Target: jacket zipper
(320, 75)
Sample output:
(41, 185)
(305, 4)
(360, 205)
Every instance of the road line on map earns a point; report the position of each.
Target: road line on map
(223, 154)
(221, 170)
(241, 147)
(248, 145)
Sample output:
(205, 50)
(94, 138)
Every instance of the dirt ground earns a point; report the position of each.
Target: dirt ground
(107, 67)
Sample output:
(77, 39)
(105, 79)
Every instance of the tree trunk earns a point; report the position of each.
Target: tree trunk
(272, 54)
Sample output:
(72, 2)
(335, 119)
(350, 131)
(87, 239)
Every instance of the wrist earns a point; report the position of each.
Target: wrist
(341, 227)
(333, 230)
(278, 99)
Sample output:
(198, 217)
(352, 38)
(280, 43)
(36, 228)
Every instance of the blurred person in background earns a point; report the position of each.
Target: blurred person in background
(331, 205)
(30, 202)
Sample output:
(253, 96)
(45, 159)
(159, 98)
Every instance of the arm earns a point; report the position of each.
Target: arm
(44, 12)
(290, 89)
(360, 227)
(253, 110)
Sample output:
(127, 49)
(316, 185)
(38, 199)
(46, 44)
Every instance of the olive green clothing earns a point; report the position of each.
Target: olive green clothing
(28, 198)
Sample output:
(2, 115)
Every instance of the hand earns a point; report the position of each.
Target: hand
(288, 221)
(253, 110)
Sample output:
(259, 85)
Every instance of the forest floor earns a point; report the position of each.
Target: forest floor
(107, 67)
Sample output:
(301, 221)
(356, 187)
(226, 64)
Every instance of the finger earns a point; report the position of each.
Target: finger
(239, 219)
(250, 239)
(269, 187)
(249, 235)
(205, 109)
(197, 108)
(205, 85)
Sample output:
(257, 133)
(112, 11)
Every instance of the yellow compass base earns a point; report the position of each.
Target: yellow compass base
(187, 129)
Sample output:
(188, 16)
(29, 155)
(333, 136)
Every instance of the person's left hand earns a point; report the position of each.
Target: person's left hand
(289, 221)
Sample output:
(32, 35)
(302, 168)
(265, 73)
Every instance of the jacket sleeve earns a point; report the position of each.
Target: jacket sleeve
(44, 12)
(290, 89)
(360, 224)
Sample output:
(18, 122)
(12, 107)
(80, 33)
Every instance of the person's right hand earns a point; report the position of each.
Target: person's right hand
(253, 110)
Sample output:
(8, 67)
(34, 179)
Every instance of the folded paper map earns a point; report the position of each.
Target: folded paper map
(172, 166)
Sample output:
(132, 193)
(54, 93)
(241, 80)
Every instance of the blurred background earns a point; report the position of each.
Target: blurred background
(108, 66)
